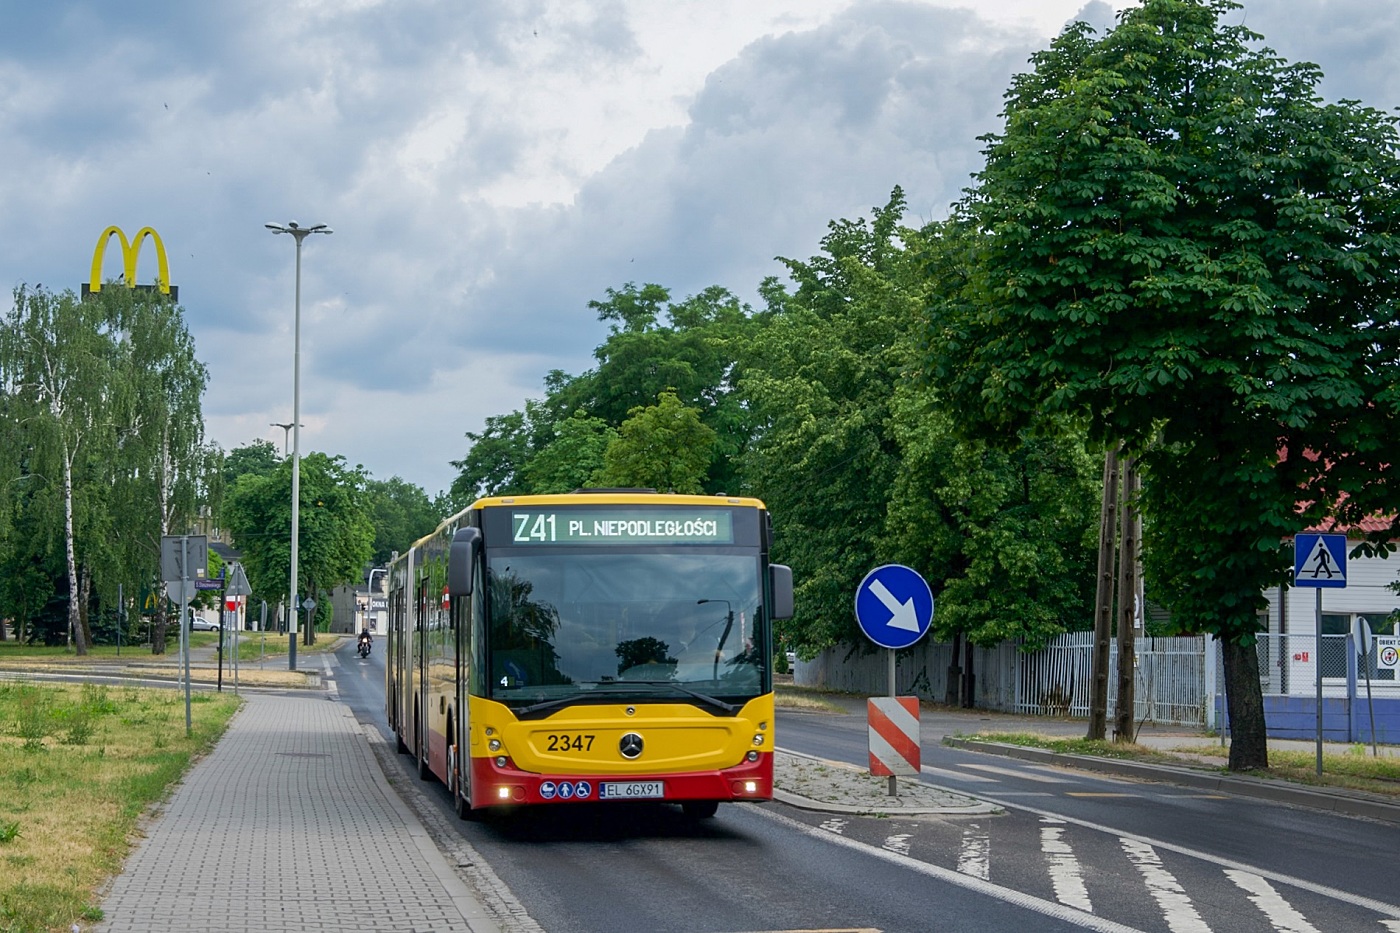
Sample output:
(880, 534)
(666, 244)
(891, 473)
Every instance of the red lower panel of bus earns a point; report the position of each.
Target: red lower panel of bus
(494, 785)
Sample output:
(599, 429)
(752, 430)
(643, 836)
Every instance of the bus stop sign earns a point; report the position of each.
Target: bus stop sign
(894, 606)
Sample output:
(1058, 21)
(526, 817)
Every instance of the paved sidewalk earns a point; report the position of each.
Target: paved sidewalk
(289, 824)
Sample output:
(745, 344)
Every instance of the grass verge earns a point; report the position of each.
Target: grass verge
(79, 765)
(786, 696)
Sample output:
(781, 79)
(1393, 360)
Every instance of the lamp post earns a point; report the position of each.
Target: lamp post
(286, 427)
(298, 233)
(728, 624)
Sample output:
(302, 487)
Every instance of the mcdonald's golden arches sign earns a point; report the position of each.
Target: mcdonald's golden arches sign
(131, 249)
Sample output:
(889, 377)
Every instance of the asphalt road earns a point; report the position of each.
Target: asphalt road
(1070, 851)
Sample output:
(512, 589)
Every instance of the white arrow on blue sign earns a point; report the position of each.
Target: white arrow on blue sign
(894, 606)
(1320, 561)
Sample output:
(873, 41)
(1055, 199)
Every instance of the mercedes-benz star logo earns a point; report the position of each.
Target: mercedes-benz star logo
(630, 745)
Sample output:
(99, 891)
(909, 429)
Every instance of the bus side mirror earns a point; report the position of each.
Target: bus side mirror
(780, 579)
(465, 542)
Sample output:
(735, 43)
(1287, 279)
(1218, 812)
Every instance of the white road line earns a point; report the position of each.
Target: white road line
(1336, 894)
(1065, 874)
(1010, 896)
(899, 842)
(958, 775)
(1012, 772)
(975, 853)
(1278, 911)
(1170, 896)
(835, 826)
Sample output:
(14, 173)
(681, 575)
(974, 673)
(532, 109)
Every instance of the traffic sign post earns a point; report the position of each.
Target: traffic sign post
(894, 608)
(1320, 562)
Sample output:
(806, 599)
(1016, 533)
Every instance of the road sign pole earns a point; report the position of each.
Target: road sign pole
(1318, 666)
(894, 786)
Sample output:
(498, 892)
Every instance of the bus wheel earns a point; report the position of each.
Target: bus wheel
(699, 809)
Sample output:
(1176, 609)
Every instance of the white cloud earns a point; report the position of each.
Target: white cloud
(490, 168)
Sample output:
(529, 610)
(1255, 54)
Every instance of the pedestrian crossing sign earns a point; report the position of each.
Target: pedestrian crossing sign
(1320, 561)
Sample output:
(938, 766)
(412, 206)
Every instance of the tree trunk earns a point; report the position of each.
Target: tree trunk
(75, 628)
(159, 624)
(969, 676)
(954, 689)
(1103, 599)
(1244, 698)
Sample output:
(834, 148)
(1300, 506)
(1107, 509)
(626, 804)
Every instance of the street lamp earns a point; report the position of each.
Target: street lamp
(298, 233)
(286, 426)
(728, 624)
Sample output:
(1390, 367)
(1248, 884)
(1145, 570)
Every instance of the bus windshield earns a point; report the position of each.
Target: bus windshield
(622, 625)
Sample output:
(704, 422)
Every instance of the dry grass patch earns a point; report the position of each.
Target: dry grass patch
(786, 696)
(79, 765)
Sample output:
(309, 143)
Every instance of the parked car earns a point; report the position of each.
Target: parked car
(201, 624)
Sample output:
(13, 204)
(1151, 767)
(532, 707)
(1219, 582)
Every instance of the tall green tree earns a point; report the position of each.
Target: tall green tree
(58, 369)
(165, 472)
(818, 380)
(663, 446)
(401, 513)
(1185, 247)
(335, 538)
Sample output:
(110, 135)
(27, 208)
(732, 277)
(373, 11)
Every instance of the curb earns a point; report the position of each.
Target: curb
(1349, 804)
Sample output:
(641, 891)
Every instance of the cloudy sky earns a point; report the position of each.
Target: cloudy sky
(490, 167)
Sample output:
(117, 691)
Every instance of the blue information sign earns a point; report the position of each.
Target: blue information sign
(1320, 561)
(894, 606)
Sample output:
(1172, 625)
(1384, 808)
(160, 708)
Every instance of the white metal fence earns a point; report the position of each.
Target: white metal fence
(1171, 685)
(1177, 679)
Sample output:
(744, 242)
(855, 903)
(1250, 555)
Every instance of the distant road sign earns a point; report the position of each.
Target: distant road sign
(894, 606)
(1320, 561)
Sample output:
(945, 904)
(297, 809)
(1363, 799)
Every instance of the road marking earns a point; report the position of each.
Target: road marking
(1170, 896)
(1025, 775)
(1102, 793)
(1065, 875)
(975, 853)
(1278, 911)
(899, 842)
(1346, 897)
(835, 826)
(958, 775)
(968, 882)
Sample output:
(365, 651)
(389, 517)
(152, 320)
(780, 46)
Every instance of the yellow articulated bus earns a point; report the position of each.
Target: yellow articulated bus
(602, 645)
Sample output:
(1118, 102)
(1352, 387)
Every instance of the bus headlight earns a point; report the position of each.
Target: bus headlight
(752, 755)
(758, 738)
(494, 745)
(500, 761)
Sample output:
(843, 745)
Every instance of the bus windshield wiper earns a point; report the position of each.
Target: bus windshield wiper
(705, 698)
(559, 702)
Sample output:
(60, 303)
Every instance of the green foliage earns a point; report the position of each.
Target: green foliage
(1183, 247)
(571, 459)
(335, 538)
(400, 513)
(664, 446)
(818, 380)
(101, 446)
(690, 348)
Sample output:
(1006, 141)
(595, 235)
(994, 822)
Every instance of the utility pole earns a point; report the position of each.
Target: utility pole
(1103, 598)
(1131, 531)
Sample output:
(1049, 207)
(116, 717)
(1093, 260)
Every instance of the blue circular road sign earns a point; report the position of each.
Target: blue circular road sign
(894, 606)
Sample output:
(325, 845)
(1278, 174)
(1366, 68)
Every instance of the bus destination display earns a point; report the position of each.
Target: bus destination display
(623, 526)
